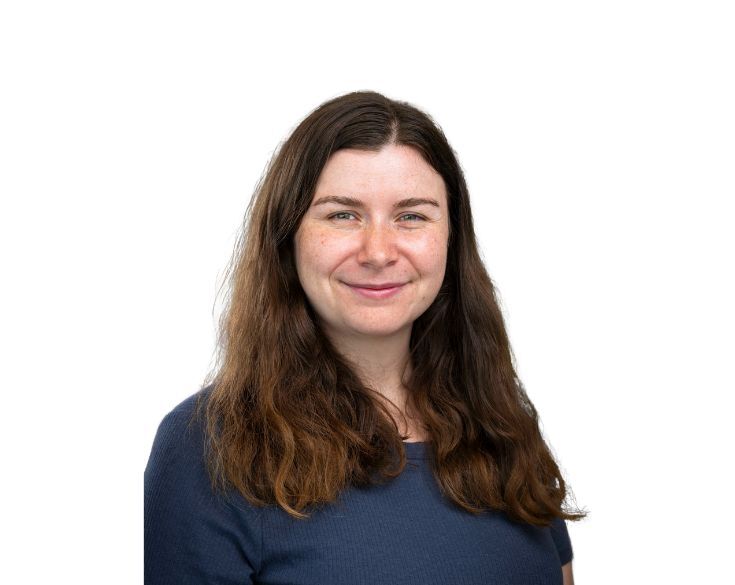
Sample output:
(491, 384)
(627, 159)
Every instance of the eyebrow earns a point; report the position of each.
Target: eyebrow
(352, 202)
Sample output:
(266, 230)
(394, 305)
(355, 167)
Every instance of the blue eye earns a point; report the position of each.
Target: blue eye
(418, 217)
(336, 215)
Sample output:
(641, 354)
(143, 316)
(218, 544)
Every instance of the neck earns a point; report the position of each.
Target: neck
(383, 365)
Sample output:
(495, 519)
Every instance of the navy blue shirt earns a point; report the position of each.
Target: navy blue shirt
(404, 532)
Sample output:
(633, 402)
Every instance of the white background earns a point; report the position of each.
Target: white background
(598, 140)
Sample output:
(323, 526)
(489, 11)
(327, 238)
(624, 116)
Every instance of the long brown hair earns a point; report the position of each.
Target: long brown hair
(289, 422)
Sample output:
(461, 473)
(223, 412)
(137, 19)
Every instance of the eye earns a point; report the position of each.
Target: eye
(340, 214)
(412, 215)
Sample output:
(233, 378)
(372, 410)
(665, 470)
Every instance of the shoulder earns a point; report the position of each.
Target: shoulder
(190, 529)
(179, 418)
(563, 543)
(178, 435)
(176, 459)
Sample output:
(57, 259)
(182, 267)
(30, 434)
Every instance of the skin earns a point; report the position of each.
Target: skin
(566, 571)
(371, 241)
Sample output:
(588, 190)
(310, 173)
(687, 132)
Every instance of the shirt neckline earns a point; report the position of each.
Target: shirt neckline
(416, 449)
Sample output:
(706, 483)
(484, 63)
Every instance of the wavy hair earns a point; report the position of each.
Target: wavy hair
(287, 419)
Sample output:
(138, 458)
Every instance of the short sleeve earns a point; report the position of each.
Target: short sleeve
(563, 543)
(191, 534)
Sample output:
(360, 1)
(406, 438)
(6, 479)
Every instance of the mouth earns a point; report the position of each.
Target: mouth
(376, 291)
(382, 286)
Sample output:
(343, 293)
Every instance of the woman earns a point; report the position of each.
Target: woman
(364, 423)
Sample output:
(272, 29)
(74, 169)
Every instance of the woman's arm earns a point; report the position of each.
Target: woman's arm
(566, 571)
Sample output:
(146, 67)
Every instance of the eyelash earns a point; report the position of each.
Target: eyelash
(334, 215)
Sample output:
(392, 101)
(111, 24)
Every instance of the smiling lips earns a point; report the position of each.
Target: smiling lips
(376, 291)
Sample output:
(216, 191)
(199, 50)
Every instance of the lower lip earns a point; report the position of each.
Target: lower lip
(377, 293)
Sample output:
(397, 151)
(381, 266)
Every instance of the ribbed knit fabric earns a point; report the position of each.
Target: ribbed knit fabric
(403, 533)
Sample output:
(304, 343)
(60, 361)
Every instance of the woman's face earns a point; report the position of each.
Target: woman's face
(371, 250)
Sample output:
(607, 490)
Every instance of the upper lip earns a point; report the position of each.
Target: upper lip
(376, 286)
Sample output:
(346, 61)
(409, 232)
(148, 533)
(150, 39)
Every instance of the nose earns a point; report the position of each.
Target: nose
(378, 246)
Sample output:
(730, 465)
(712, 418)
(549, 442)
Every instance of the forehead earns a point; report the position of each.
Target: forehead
(395, 171)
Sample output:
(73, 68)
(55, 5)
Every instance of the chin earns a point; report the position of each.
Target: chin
(378, 333)
(376, 330)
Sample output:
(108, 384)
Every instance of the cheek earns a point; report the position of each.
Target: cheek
(317, 255)
(431, 256)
